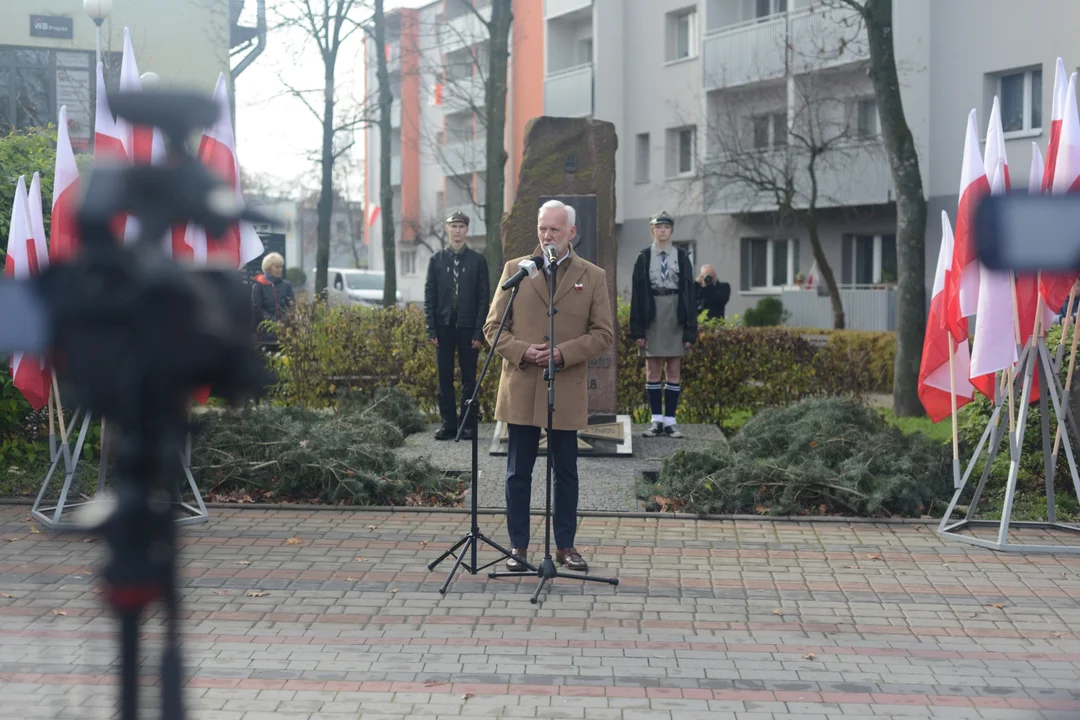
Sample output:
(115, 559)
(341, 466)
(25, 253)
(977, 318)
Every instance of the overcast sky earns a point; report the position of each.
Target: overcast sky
(277, 136)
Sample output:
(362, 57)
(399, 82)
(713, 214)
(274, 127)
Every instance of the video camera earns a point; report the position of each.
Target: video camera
(1028, 233)
(134, 334)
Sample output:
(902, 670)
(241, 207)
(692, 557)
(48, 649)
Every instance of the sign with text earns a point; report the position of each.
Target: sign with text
(52, 26)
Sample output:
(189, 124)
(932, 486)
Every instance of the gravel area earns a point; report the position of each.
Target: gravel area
(607, 483)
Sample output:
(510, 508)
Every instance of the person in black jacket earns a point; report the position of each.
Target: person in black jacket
(271, 296)
(456, 304)
(663, 320)
(713, 295)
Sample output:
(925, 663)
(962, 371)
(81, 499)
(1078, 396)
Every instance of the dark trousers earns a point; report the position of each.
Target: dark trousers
(524, 441)
(454, 339)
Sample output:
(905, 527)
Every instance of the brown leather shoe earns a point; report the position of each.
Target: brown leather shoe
(515, 565)
(572, 559)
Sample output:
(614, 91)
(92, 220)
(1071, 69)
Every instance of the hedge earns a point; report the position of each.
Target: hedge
(328, 350)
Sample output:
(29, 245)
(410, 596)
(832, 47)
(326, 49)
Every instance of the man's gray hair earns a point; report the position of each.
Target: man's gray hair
(571, 216)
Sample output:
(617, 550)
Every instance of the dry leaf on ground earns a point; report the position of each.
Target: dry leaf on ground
(256, 593)
(809, 656)
(243, 562)
(777, 612)
(294, 541)
(58, 612)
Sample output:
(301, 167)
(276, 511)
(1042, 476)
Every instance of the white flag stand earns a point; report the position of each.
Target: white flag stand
(1034, 355)
(52, 516)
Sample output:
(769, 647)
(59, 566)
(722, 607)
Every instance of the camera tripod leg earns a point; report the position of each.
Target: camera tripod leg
(469, 540)
(448, 553)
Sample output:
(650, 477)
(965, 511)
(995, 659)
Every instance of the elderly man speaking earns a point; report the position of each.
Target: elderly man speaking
(583, 330)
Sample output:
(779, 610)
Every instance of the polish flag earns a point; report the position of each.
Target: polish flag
(64, 242)
(29, 373)
(35, 219)
(1055, 287)
(110, 135)
(935, 389)
(994, 346)
(240, 244)
(373, 215)
(995, 145)
(1057, 113)
(962, 280)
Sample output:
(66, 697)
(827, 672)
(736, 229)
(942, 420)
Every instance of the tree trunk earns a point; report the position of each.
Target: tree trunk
(495, 124)
(910, 208)
(386, 191)
(819, 252)
(325, 206)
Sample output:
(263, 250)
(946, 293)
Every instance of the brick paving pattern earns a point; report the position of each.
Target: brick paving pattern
(326, 615)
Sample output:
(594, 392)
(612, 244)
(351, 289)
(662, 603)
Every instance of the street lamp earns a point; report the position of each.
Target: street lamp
(98, 10)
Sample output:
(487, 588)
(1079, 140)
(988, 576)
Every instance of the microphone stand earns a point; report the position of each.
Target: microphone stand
(547, 570)
(471, 541)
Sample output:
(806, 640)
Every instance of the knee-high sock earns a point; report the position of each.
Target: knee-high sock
(655, 392)
(671, 402)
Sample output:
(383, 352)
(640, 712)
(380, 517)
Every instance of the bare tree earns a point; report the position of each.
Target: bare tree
(430, 232)
(766, 161)
(386, 190)
(329, 25)
(877, 18)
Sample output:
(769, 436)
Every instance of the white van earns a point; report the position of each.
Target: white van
(356, 287)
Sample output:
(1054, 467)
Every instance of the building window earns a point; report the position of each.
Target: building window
(770, 130)
(867, 122)
(458, 192)
(407, 262)
(689, 247)
(868, 260)
(680, 151)
(641, 164)
(767, 264)
(1020, 94)
(765, 8)
(681, 34)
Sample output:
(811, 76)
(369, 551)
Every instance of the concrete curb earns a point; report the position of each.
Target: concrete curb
(583, 513)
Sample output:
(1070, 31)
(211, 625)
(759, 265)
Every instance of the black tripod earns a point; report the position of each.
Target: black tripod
(547, 570)
(471, 419)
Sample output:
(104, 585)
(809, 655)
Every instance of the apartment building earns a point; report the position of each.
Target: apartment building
(47, 51)
(709, 94)
(437, 59)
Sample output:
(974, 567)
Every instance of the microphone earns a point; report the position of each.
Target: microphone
(526, 268)
(549, 250)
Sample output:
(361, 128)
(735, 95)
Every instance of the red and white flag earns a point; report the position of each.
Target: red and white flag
(1055, 287)
(935, 388)
(995, 146)
(962, 280)
(110, 135)
(1027, 284)
(373, 215)
(30, 375)
(1057, 113)
(64, 240)
(240, 244)
(994, 345)
(36, 220)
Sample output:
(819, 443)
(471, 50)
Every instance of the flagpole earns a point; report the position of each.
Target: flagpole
(52, 429)
(1068, 376)
(952, 399)
(1016, 341)
(59, 409)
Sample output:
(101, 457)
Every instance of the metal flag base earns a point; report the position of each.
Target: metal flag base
(1035, 355)
(58, 514)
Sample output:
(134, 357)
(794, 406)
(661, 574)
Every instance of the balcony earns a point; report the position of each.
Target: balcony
(463, 157)
(569, 93)
(464, 30)
(854, 175)
(395, 170)
(558, 8)
(753, 51)
(393, 56)
(395, 113)
(463, 94)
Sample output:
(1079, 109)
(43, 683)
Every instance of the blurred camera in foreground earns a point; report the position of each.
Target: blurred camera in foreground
(1028, 233)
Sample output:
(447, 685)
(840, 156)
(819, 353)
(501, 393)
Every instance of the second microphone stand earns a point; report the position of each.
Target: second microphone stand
(547, 570)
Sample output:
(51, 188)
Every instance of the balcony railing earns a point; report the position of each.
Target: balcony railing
(464, 30)
(558, 8)
(856, 174)
(864, 309)
(463, 157)
(463, 93)
(754, 51)
(569, 93)
(395, 169)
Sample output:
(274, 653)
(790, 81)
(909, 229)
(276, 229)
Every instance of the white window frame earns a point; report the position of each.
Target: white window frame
(671, 25)
(407, 261)
(877, 255)
(770, 288)
(1027, 130)
(674, 152)
(774, 10)
(771, 120)
(875, 130)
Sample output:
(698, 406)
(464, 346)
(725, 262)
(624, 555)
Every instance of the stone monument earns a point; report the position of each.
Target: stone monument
(573, 160)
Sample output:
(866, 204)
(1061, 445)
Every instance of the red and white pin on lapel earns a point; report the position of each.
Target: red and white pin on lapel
(579, 287)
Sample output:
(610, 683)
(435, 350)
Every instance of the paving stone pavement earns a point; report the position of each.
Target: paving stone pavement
(328, 615)
(605, 483)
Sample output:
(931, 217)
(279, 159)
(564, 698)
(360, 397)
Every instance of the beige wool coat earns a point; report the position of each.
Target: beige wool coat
(583, 330)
